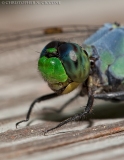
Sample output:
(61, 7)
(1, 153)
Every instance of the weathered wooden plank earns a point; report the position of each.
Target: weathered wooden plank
(39, 143)
(16, 96)
(20, 83)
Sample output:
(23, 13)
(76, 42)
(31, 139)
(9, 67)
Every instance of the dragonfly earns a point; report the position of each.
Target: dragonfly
(97, 65)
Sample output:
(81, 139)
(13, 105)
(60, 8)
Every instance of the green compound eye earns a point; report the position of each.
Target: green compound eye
(52, 70)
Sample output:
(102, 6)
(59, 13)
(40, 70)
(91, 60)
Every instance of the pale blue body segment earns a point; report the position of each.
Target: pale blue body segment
(108, 43)
(108, 38)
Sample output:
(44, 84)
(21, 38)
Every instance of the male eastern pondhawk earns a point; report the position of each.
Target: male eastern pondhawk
(98, 65)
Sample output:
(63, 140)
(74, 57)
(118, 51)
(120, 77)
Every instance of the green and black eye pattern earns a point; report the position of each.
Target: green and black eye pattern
(61, 60)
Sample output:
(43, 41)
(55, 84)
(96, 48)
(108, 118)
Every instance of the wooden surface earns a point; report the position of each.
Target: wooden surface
(21, 83)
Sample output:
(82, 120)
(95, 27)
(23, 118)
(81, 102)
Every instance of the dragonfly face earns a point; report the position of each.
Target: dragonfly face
(64, 66)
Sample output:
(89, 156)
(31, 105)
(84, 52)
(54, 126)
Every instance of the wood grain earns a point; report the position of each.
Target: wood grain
(21, 83)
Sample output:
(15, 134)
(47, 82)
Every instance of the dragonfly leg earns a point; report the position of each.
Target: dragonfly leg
(111, 96)
(76, 117)
(90, 121)
(64, 105)
(37, 100)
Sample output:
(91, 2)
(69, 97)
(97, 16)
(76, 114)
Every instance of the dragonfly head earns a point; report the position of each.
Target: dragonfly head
(64, 66)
